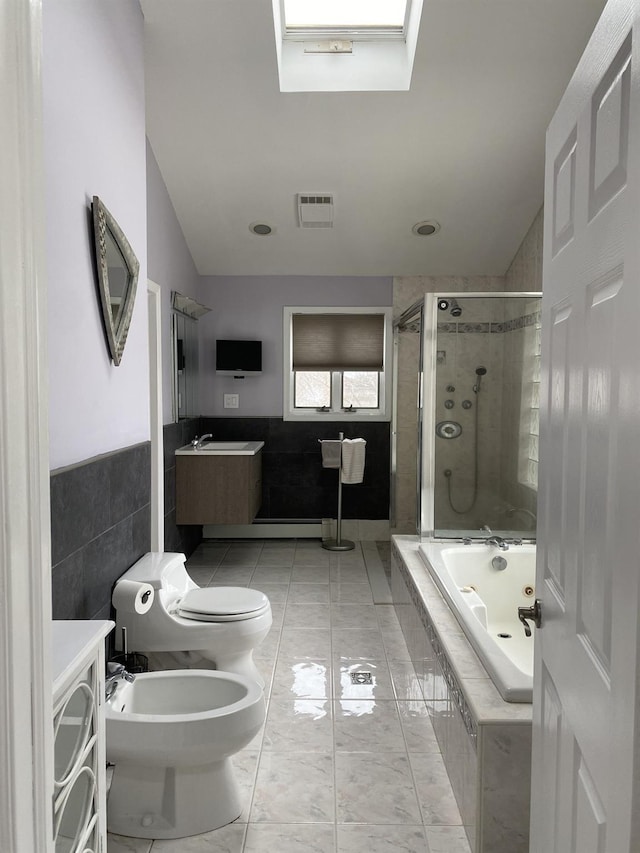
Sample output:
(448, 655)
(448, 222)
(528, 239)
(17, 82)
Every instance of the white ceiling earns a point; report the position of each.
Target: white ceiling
(464, 146)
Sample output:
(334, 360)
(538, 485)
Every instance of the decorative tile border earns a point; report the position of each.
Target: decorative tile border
(455, 690)
(532, 319)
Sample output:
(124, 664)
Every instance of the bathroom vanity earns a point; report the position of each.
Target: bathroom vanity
(219, 483)
(79, 800)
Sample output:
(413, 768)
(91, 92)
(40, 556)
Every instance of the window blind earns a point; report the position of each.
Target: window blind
(338, 341)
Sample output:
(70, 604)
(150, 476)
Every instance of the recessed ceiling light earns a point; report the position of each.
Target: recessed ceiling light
(426, 228)
(261, 229)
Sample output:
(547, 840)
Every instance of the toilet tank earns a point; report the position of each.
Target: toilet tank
(162, 571)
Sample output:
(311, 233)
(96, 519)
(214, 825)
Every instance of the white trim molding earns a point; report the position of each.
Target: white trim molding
(26, 730)
(154, 295)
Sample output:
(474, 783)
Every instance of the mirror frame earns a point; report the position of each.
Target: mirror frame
(104, 225)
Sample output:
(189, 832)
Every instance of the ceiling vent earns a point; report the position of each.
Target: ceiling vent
(315, 210)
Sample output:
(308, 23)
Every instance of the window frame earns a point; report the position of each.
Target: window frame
(336, 411)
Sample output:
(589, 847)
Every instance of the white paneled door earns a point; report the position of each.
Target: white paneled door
(585, 750)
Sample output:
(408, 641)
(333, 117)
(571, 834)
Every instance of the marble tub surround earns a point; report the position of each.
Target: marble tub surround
(317, 778)
(485, 742)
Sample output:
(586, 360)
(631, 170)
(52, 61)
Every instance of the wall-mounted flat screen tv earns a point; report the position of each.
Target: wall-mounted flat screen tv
(238, 358)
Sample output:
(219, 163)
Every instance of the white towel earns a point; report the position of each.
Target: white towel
(331, 452)
(353, 460)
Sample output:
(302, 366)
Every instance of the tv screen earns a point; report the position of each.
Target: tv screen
(238, 358)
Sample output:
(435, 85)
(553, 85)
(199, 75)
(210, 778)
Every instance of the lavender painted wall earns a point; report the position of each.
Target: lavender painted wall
(94, 142)
(251, 307)
(170, 264)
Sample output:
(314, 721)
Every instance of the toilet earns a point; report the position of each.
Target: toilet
(170, 736)
(221, 625)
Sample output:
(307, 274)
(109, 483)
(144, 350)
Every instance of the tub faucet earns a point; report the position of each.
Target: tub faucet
(202, 440)
(115, 671)
(498, 541)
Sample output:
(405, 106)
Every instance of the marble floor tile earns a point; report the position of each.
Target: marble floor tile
(294, 787)
(367, 725)
(271, 574)
(353, 616)
(311, 556)
(240, 555)
(395, 645)
(344, 688)
(351, 593)
(437, 801)
(354, 573)
(366, 838)
(290, 838)
(309, 574)
(245, 766)
(200, 574)
(227, 839)
(306, 642)
(447, 839)
(354, 644)
(296, 678)
(308, 593)
(276, 557)
(306, 616)
(406, 684)
(123, 844)
(299, 725)
(277, 593)
(232, 575)
(375, 789)
(416, 725)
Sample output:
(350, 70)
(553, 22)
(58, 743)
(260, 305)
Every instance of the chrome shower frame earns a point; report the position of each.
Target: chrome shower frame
(427, 401)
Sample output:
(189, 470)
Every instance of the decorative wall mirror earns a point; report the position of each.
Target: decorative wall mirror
(117, 277)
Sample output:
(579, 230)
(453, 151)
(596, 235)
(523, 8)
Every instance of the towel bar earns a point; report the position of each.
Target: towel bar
(338, 544)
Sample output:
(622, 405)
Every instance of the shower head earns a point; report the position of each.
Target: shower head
(456, 310)
(480, 371)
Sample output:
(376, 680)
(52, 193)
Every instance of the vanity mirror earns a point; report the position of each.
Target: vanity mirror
(117, 277)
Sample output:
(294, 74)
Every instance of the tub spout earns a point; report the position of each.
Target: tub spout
(499, 542)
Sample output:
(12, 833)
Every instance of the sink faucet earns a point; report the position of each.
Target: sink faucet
(116, 671)
(198, 442)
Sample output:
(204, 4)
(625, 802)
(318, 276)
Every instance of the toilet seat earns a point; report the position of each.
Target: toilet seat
(223, 604)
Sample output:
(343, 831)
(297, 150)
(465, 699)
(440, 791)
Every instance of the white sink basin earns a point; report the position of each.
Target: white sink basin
(222, 448)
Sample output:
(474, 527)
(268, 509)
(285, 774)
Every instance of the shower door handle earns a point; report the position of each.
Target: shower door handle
(534, 613)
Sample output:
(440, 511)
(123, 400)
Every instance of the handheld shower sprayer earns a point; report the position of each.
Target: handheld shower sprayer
(480, 372)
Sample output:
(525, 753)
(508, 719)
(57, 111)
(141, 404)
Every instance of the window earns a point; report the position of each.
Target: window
(337, 363)
(350, 18)
(530, 415)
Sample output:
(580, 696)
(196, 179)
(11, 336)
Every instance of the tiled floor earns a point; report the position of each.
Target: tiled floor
(339, 767)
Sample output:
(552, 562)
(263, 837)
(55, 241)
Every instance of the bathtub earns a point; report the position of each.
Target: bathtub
(485, 602)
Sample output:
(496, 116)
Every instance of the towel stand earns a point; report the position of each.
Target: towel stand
(339, 544)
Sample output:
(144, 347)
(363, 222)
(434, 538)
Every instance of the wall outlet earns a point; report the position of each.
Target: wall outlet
(232, 401)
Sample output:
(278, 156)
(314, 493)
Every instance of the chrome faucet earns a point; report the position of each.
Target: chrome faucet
(498, 541)
(116, 671)
(198, 442)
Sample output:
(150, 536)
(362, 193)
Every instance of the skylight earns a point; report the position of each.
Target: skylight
(345, 16)
(346, 45)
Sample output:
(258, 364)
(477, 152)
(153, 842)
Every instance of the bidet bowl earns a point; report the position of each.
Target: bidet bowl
(182, 717)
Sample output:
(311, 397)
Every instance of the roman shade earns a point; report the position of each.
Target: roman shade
(338, 341)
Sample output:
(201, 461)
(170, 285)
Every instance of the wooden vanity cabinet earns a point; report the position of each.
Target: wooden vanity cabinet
(214, 489)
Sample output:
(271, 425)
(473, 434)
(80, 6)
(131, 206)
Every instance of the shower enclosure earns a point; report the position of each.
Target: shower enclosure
(478, 415)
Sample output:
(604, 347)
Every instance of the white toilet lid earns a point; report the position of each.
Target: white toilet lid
(223, 604)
